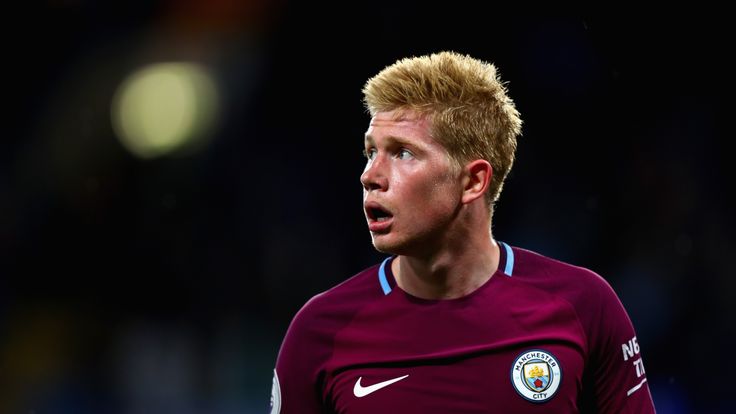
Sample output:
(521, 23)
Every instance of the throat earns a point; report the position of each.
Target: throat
(443, 281)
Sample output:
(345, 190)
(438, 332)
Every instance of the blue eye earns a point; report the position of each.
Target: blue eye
(369, 153)
(404, 154)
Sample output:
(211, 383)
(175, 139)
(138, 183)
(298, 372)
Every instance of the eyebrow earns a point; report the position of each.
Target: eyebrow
(391, 139)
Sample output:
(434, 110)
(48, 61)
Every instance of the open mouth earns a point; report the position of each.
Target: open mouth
(377, 213)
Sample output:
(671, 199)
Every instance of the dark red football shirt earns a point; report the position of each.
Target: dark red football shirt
(539, 336)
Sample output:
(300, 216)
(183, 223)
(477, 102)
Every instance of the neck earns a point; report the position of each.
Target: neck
(449, 273)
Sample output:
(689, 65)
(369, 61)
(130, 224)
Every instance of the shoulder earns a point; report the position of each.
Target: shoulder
(309, 340)
(328, 310)
(578, 285)
(314, 326)
(598, 308)
(590, 296)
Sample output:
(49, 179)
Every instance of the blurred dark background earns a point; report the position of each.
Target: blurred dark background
(165, 284)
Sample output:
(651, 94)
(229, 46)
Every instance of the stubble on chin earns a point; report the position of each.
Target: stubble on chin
(382, 245)
(392, 247)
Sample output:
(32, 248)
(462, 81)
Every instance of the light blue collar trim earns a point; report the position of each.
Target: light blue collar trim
(382, 277)
(509, 269)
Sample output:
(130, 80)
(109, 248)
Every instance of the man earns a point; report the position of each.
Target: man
(454, 321)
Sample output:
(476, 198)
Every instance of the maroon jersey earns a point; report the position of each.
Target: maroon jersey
(539, 336)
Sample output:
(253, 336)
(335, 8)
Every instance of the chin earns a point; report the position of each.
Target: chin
(383, 247)
(384, 244)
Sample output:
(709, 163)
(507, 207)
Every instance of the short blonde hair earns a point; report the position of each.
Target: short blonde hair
(467, 105)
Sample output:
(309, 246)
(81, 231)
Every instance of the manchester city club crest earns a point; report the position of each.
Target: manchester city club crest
(536, 375)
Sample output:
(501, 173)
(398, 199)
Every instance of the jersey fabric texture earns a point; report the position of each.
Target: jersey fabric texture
(539, 336)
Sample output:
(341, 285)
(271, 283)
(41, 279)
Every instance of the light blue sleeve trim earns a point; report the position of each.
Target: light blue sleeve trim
(382, 277)
(509, 269)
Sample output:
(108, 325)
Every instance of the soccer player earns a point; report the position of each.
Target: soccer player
(454, 321)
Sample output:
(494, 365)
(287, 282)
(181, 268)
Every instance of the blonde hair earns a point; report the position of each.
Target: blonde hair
(467, 105)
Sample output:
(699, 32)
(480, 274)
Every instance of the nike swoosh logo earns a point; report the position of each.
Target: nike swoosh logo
(361, 391)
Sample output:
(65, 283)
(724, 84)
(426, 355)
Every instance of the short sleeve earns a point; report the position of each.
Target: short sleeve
(615, 369)
(297, 377)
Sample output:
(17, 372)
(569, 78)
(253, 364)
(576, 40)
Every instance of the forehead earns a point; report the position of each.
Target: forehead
(405, 125)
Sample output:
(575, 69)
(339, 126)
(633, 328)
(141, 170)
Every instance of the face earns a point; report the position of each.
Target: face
(411, 192)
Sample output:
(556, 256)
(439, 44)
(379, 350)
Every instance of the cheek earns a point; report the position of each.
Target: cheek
(445, 186)
(426, 191)
(436, 197)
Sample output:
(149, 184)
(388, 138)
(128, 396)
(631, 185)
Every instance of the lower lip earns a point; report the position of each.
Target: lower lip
(379, 226)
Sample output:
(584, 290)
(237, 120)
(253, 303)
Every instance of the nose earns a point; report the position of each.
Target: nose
(374, 175)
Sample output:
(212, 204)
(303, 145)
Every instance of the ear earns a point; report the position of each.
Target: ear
(477, 176)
